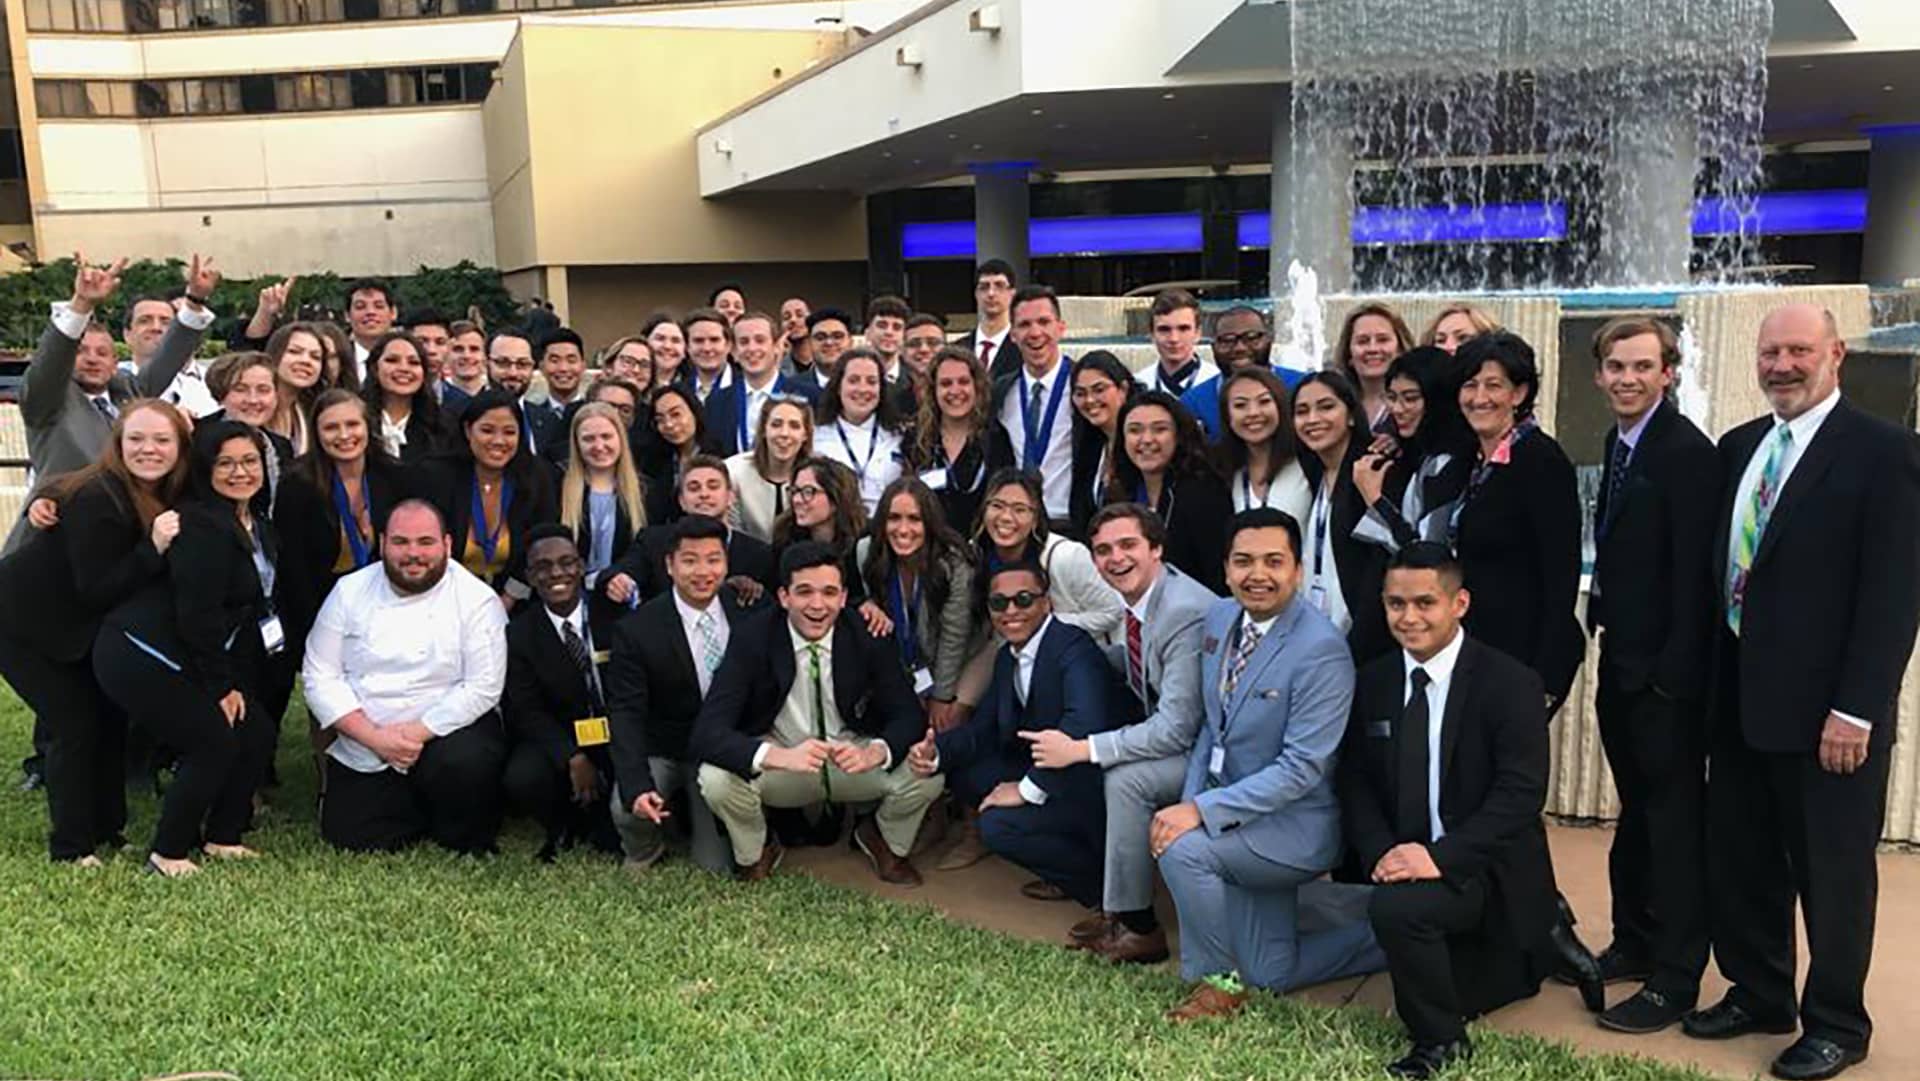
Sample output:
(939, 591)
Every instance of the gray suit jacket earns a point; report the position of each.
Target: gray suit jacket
(64, 430)
(1170, 647)
(1280, 732)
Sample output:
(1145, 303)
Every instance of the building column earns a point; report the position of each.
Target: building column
(1001, 215)
(1220, 230)
(1892, 252)
(1646, 211)
(1312, 212)
(556, 293)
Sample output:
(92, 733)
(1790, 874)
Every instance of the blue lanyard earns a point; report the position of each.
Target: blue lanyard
(904, 612)
(348, 523)
(490, 538)
(1035, 451)
(873, 444)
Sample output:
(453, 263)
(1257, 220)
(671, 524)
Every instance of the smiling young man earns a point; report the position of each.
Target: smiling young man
(370, 317)
(1176, 340)
(1030, 403)
(1652, 606)
(733, 411)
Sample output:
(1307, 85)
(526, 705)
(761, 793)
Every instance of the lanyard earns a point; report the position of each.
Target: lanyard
(1100, 477)
(490, 538)
(1322, 512)
(351, 525)
(905, 611)
(1167, 496)
(873, 444)
(1037, 441)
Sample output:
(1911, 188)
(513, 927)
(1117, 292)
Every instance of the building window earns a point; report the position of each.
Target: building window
(177, 16)
(299, 92)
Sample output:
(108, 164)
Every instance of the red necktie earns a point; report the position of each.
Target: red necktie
(986, 352)
(1136, 664)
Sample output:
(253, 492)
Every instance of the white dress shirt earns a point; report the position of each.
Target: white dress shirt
(393, 433)
(757, 399)
(1323, 571)
(1440, 674)
(438, 657)
(690, 626)
(1287, 491)
(870, 451)
(981, 339)
(703, 390)
(1024, 659)
(1056, 462)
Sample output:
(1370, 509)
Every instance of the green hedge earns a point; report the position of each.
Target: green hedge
(25, 297)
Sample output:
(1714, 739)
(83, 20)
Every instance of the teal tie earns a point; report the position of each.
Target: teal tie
(819, 711)
(1753, 521)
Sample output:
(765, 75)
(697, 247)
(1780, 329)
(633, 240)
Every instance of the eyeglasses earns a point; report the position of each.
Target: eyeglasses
(806, 493)
(1234, 341)
(249, 464)
(1023, 600)
(1017, 510)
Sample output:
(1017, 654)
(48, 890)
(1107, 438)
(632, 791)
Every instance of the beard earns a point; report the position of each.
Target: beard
(402, 584)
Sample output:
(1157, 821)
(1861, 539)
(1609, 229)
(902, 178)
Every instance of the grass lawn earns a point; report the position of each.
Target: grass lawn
(310, 964)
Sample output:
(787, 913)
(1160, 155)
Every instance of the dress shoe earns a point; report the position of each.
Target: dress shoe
(891, 869)
(1427, 1059)
(967, 851)
(1090, 932)
(1727, 1019)
(1577, 966)
(1812, 1058)
(1647, 1011)
(1616, 966)
(1041, 890)
(1124, 947)
(640, 862)
(759, 870)
(1205, 1001)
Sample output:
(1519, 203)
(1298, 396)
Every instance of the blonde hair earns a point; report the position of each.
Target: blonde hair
(626, 480)
(1483, 322)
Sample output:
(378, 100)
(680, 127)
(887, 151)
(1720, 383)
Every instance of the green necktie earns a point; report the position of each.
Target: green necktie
(1753, 521)
(819, 710)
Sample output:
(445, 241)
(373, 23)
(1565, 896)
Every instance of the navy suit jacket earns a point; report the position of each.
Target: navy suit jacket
(1068, 691)
(726, 407)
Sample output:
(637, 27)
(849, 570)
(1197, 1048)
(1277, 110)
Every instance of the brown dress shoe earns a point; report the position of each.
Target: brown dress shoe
(968, 850)
(893, 870)
(1207, 1001)
(1041, 890)
(1124, 947)
(1090, 932)
(770, 856)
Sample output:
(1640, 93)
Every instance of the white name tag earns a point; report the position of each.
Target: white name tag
(1217, 761)
(272, 635)
(935, 479)
(922, 681)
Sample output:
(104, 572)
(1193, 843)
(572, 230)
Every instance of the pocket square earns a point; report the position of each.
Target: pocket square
(1380, 729)
(1211, 645)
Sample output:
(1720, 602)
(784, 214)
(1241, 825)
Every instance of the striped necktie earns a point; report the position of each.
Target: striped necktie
(1753, 521)
(709, 648)
(1136, 660)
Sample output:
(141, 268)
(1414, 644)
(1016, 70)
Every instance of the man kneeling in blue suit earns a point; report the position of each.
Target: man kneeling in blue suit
(1258, 820)
(1048, 675)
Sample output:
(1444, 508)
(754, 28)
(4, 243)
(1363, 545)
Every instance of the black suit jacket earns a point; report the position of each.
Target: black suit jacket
(1493, 787)
(653, 691)
(645, 560)
(724, 408)
(1197, 516)
(1653, 558)
(869, 688)
(204, 615)
(61, 581)
(1519, 546)
(1833, 597)
(1006, 359)
(310, 541)
(545, 690)
(448, 483)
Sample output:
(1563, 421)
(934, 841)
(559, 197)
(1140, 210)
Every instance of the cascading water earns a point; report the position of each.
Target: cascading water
(1590, 125)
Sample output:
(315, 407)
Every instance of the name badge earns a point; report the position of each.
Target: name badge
(1317, 596)
(591, 732)
(602, 656)
(1217, 761)
(935, 479)
(272, 635)
(1380, 729)
(922, 681)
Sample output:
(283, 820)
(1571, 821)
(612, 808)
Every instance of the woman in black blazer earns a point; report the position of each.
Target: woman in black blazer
(1341, 574)
(679, 433)
(116, 524)
(398, 389)
(1161, 461)
(492, 492)
(953, 434)
(183, 657)
(1516, 527)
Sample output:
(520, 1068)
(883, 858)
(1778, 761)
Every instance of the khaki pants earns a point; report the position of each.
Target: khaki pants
(738, 802)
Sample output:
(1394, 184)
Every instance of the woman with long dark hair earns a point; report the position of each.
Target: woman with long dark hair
(859, 426)
(1101, 386)
(921, 572)
(1162, 464)
(1409, 484)
(951, 438)
(1341, 575)
(679, 433)
(116, 522)
(397, 388)
(491, 491)
(1257, 450)
(299, 355)
(824, 505)
(183, 657)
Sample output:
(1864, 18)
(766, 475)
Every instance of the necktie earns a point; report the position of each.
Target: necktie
(986, 353)
(105, 408)
(1035, 403)
(1410, 821)
(1136, 662)
(819, 711)
(1616, 480)
(1753, 521)
(577, 652)
(1249, 641)
(709, 648)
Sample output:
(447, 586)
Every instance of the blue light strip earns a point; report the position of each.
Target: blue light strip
(1788, 213)
(1116, 235)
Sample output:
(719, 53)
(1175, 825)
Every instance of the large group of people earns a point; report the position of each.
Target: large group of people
(743, 581)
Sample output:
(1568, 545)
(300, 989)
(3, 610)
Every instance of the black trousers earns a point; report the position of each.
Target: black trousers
(1412, 920)
(220, 764)
(1783, 829)
(1063, 840)
(452, 794)
(1656, 747)
(535, 786)
(85, 742)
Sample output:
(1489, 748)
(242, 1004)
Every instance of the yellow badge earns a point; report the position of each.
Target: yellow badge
(602, 656)
(590, 731)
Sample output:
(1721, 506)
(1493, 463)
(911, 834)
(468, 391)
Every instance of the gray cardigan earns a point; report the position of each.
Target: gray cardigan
(948, 637)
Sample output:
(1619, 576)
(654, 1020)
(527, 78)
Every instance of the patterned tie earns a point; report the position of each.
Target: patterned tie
(1249, 641)
(1136, 662)
(819, 712)
(1753, 522)
(577, 652)
(1616, 480)
(105, 408)
(709, 648)
(1411, 821)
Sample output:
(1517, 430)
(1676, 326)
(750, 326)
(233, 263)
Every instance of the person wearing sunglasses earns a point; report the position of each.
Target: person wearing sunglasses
(1048, 675)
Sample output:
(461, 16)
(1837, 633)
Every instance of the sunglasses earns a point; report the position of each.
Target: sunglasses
(1024, 599)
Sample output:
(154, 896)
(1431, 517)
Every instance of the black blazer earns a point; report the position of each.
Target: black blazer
(1197, 509)
(604, 611)
(1068, 692)
(60, 582)
(1082, 502)
(645, 561)
(869, 687)
(308, 525)
(653, 692)
(723, 408)
(205, 614)
(1006, 359)
(1518, 540)
(1653, 558)
(1833, 597)
(545, 692)
(966, 485)
(540, 425)
(1493, 787)
(1362, 567)
(448, 484)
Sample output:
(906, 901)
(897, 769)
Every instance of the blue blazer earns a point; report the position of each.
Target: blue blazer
(1068, 692)
(1280, 731)
(726, 407)
(1203, 399)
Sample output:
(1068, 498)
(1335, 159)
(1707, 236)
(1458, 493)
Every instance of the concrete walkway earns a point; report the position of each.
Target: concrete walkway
(987, 895)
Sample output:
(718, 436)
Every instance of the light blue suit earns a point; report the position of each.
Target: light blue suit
(1270, 819)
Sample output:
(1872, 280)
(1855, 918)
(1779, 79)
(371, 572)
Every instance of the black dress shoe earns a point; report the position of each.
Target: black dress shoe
(1616, 966)
(1577, 967)
(1812, 1058)
(1647, 1011)
(1428, 1059)
(1726, 1019)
